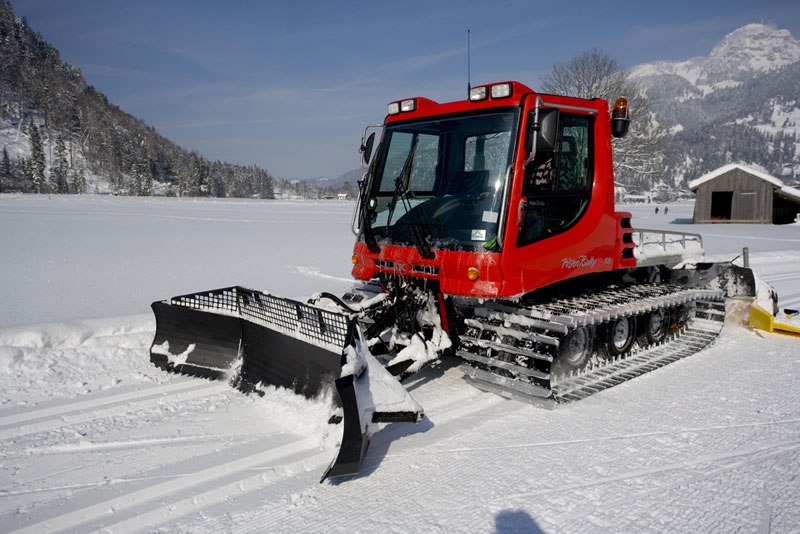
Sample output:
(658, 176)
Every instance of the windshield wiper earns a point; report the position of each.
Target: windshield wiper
(401, 182)
(400, 191)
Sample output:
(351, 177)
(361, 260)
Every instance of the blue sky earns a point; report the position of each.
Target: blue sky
(289, 85)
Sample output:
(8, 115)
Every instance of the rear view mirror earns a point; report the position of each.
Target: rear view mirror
(547, 132)
(543, 129)
(366, 148)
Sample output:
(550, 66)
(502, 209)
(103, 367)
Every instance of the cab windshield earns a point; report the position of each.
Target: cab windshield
(439, 183)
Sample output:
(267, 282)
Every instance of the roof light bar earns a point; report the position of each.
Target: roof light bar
(402, 106)
(408, 105)
(501, 90)
(478, 93)
(498, 90)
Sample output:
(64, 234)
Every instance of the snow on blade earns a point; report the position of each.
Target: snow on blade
(376, 389)
(174, 359)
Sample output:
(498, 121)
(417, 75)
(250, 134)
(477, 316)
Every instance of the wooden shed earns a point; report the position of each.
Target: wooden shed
(737, 194)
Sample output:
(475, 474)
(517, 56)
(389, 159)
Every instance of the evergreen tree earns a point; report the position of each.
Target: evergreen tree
(77, 183)
(217, 187)
(198, 176)
(135, 182)
(37, 164)
(60, 169)
(141, 182)
(6, 172)
(24, 176)
(148, 186)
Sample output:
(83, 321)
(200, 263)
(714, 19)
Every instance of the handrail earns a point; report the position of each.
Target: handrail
(355, 225)
(663, 233)
(501, 225)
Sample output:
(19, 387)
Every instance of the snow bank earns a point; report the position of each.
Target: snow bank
(74, 358)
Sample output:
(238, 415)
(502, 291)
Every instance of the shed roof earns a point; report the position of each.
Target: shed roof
(781, 189)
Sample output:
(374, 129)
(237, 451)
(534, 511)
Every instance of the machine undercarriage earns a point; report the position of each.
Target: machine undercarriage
(566, 343)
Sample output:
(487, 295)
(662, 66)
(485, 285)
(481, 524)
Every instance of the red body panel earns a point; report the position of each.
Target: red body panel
(596, 243)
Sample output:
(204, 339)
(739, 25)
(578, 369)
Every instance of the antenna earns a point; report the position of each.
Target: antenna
(469, 85)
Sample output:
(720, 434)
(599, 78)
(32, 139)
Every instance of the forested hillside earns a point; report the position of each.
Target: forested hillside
(739, 104)
(59, 134)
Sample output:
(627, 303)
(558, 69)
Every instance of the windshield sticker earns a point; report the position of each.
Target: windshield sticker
(490, 217)
(479, 235)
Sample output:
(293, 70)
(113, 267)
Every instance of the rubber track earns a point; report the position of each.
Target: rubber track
(531, 336)
(690, 340)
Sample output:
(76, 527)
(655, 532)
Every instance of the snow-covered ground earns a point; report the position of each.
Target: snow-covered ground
(92, 437)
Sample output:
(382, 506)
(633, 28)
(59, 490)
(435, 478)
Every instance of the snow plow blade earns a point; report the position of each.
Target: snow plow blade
(255, 339)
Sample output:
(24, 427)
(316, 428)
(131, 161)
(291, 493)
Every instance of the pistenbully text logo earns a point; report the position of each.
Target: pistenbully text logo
(579, 262)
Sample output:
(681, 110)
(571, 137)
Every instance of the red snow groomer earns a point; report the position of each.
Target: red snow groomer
(486, 230)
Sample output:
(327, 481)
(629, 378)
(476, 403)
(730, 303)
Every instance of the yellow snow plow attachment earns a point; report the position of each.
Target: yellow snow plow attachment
(764, 320)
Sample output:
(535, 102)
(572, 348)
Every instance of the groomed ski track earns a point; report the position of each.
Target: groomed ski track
(185, 454)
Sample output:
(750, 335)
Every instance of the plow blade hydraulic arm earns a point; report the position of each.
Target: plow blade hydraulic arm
(255, 339)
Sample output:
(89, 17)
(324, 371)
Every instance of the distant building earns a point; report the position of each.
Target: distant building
(620, 192)
(633, 199)
(737, 194)
(662, 193)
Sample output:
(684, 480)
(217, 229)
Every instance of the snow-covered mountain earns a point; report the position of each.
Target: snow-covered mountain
(740, 103)
(742, 54)
(753, 48)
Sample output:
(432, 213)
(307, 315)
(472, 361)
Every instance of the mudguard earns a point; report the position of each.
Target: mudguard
(255, 339)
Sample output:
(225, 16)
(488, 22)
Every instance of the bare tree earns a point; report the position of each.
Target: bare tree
(638, 158)
(592, 74)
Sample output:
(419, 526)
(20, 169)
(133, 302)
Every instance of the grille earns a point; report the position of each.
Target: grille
(285, 315)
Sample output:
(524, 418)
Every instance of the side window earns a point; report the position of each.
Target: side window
(573, 174)
(558, 183)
